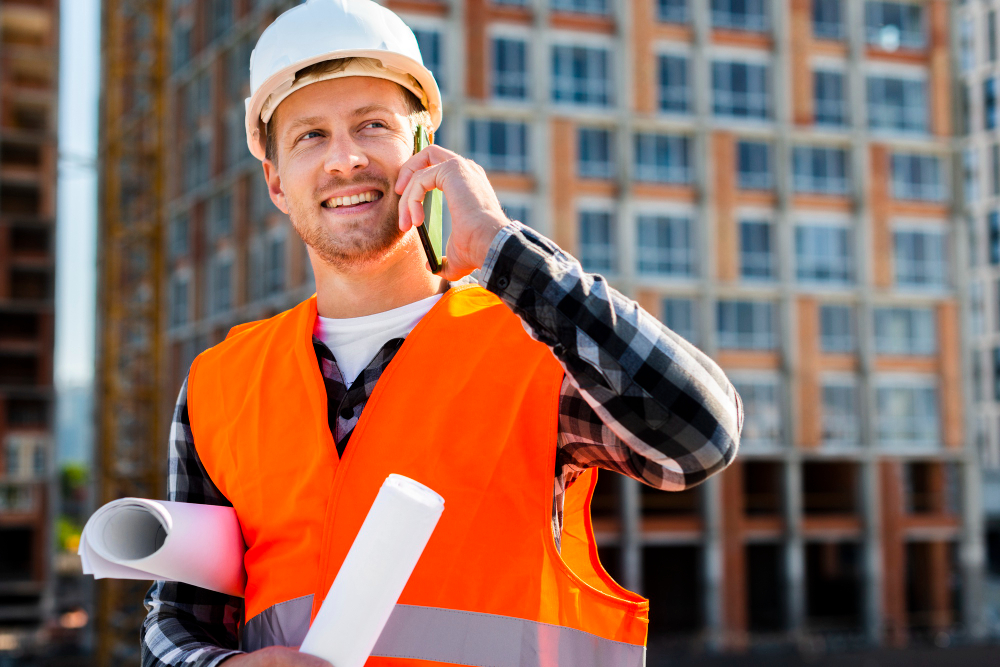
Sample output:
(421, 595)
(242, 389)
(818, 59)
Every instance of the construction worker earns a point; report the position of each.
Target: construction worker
(502, 392)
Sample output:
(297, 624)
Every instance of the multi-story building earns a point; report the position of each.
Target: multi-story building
(975, 37)
(768, 177)
(28, 81)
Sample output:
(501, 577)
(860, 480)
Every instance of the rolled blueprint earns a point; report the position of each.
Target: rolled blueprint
(135, 538)
(374, 573)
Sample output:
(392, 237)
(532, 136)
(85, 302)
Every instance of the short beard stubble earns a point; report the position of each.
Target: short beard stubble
(357, 243)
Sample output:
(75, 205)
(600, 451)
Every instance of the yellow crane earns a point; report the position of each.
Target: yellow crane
(130, 421)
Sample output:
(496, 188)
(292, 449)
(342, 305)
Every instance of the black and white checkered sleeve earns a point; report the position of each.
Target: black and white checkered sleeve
(637, 398)
(186, 625)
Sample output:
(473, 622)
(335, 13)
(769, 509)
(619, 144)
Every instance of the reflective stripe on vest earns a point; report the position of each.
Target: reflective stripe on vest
(458, 637)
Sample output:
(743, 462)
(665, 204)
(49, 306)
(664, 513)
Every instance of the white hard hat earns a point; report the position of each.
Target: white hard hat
(321, 30)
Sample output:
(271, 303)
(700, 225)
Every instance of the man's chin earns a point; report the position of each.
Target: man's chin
(364, 253)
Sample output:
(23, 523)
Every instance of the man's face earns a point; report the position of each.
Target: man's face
(339, 139)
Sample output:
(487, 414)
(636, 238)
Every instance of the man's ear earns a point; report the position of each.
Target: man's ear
(274, 185)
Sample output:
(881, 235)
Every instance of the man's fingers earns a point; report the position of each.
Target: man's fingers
(411, 211)
(431, 155)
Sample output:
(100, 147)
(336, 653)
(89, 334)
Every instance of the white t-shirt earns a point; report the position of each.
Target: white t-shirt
(354, 341)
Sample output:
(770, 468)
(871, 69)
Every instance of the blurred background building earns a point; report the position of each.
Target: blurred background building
(771, 178)
(28, 80)
(977, 57)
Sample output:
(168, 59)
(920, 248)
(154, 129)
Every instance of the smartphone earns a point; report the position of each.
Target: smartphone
(430, 232)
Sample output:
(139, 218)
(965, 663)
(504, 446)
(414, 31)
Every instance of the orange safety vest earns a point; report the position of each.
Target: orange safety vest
(469, 407)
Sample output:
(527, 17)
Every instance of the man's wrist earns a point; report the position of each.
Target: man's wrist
(486, 235)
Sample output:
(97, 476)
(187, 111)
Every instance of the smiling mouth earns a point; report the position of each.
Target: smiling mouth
(352, 200)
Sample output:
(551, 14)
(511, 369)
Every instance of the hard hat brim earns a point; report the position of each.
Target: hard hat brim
(391, 60)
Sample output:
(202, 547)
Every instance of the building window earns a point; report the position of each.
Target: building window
(970, 175)
(977, 377)
(499, 145)
(895, 23)
(993, 224)
(745, 325)
(680, 317)
(274, 265)
(220, 210)
(581, 75)
(990, 103)
(432, 52)
(967, 44)
(917, 177)
(182, 46)
(672, 11)
(740, 90)
(830, 98)
(964, 110)
(597, 246)
(905, 331)
(754, 166)
(510, 69)
(977, 308)
(520, 212)
(995, 170)
(581, 6)
(666, 245)
(836, 329)
(235, 141)
(828, 19)
(819, 170)
(991, 36)
(179, 304)
(220, 18)
(674, 87)
(897, 104)
(761, 410)
(662, 158)
(180, 235)
(38, 460)
(596, 153)
(919, 259)
(222, 284)
(740, 15)
(907, 414)
(996, 374)
(840, 414)
(823, 254)
(756, 252)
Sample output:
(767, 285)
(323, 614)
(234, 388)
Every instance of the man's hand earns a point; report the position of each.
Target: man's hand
(275, 656)
(476, 216)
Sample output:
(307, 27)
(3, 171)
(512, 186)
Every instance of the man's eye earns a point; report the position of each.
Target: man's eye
(307, 135)
(376, 122)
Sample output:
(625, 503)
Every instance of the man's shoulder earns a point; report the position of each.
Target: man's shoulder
(251, 337)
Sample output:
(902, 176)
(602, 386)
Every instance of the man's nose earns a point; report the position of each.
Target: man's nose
(344, 155)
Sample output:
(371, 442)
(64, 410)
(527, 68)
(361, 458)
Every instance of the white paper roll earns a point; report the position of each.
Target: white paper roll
(374, 573)
(135, 538)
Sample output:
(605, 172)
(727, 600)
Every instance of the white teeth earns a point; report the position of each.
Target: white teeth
(352, 200)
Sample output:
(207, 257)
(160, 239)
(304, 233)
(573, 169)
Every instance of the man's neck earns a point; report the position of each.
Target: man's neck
(399, 279)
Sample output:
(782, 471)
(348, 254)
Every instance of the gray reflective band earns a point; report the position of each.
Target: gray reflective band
(487, 640)
(283, 624)
(458, 637)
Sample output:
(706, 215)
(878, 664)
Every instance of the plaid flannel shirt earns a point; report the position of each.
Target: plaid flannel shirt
(636, 398)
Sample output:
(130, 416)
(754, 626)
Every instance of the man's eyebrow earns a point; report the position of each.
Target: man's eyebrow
(299, 122)
(371, 108)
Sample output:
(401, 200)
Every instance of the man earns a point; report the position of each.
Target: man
(295, 421)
